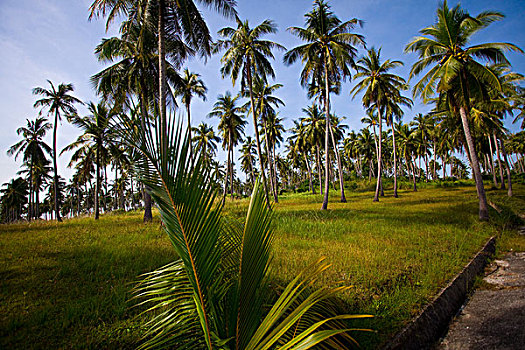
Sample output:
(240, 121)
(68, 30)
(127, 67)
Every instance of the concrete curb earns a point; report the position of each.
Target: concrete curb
(426, 328)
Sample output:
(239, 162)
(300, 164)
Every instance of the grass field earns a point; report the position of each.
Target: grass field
(67, 285)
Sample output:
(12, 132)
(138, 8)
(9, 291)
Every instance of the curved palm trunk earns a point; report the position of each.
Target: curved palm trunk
(483, 210)
(55, 168)
(259, 153)
(97, 185)
(227, 174)
(395, 161)
(413, 166)
(275, 173)
(380, 134)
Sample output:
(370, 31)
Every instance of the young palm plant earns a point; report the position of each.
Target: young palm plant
(214, 295)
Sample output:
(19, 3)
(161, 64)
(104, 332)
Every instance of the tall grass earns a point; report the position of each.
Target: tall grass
(67, 285)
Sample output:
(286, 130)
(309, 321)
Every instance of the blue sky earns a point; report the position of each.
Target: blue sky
(53, 40)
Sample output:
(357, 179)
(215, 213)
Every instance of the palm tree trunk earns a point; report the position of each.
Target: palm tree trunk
(162, 79)
(97, 185)
(483, 209)
(189, 131)
(227, 173)
(434, 175)
(413, 166)
(319, 170)
(395, 160)
(259, 153)
(378, 184)
(326, 138)
(507, 166)
(426, 168)
(269, 163)
(310, 185)
(276, 182)
(55, 168)
(231, 169)
(148, 215)
(339, 167)
(491, 159)
(499, 163)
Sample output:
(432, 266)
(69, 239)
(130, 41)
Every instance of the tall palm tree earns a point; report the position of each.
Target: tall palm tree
(191, 85)
(327, 57)
(265, 104)
(454, 70)
(33, 148)
(231, 125)
(299, 145)
(175, 21)
(380, 86)
(314, 129)
(96, 134)
(57, 101)
(247, 53)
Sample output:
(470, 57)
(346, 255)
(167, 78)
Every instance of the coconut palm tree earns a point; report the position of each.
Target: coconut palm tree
(454, 70)
(327, 57)
(314, 129)
(248, 54)
(231, 126)
(175, 21)
(191, 85)
(96, 134)
(205, 141)
(380, 86)
(13, 199)
(300, 146)
(265, 104)
(57, 101)
(33, 149)
(247, 158)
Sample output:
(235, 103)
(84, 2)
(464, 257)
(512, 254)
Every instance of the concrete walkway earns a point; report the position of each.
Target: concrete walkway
(494, 318)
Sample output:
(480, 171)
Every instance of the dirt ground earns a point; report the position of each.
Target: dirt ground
(494, 317)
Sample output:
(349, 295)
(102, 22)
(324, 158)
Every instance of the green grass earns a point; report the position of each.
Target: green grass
(67, 285)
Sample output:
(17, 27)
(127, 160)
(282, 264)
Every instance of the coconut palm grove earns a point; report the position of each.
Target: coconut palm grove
(253, 225)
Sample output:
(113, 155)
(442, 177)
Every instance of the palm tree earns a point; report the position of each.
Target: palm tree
(247, 158)
(33, 148)
(231, 126)
(300, 146)
(96, 134)
(327, 56)
(246, 53)
(314, 129)
(175, 21)
(13, 199)
(455, 71)
(56, 101)
(265, 104)
(381, 86)
(205, 141)
(213, 295)
(191, 85)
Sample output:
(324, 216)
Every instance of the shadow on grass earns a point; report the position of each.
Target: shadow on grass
(62, 297)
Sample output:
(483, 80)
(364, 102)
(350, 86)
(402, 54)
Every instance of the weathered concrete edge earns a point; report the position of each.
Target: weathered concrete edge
(426, 328)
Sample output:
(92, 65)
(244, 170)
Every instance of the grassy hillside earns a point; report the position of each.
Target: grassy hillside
(68, 285)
